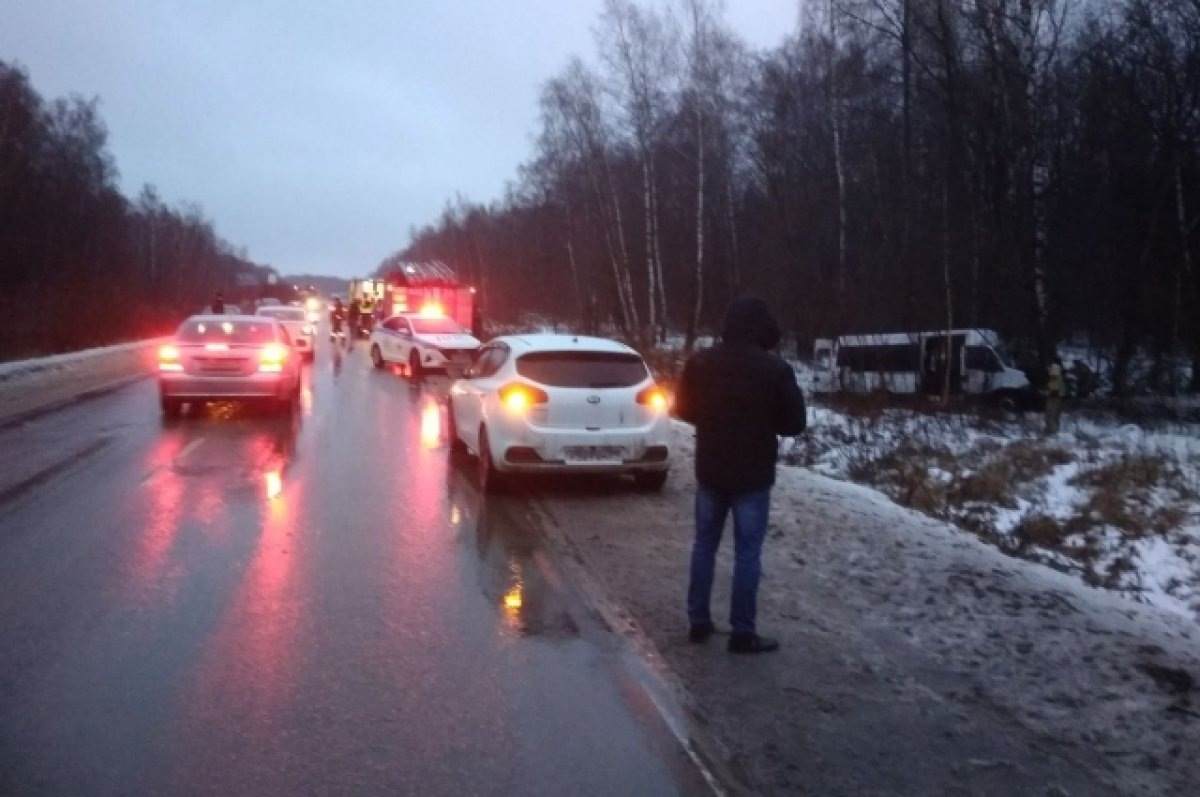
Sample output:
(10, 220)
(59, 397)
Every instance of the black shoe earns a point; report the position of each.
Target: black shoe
(700, 632)
(752, 643)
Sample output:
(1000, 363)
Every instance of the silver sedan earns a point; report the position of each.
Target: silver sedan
(224, 358)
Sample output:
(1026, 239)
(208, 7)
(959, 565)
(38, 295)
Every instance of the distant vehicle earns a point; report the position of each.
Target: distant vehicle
(427, 341)
(974, 360)
(312, 308)
(223, 357)
(419, 286)
(561, 403)
(299, 328)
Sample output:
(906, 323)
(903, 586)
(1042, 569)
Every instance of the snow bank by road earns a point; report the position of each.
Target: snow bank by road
(31, 385)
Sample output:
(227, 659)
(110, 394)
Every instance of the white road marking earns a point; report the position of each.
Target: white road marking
(190, 447)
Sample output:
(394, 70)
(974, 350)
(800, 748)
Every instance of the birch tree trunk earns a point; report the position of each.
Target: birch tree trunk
(698, 304)
(948, 287)
(1183, 272)
(835, 118)
(651, 271)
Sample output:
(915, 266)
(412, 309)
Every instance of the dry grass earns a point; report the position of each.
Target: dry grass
(906, 474)
(1041, 531)
(1125, 494)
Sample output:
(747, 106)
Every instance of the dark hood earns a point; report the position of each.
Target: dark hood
(748, 321)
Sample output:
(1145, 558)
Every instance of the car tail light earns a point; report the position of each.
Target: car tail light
(519, 397)
(168, 359)
(654, 397)
(272, 357)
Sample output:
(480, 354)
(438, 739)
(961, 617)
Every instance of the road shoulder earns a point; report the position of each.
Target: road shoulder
(916, 659)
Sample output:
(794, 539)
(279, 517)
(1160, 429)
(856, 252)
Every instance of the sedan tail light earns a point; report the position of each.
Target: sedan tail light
(654, 397)
(272, 357)
(168, 359)
(518, 397)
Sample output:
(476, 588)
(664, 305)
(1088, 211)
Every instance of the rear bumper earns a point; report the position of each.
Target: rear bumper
(193, 386)
(527, 448)
(597, 468)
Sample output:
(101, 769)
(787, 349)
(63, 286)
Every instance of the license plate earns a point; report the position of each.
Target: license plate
(222, 366)
(593, 453)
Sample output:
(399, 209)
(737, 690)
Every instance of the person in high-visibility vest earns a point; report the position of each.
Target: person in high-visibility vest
(1054, 391)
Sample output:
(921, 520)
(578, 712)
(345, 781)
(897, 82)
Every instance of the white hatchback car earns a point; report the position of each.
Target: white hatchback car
(538, 403)
(300, 329)
(422, 341)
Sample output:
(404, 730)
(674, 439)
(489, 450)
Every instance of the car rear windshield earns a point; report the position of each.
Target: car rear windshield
(583, 368)
(283, 313)
(214, 331)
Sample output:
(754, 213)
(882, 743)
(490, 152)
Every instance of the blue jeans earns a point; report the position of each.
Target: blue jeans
(749, 528)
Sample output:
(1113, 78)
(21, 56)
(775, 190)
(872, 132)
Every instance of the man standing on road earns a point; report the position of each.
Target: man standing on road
(740, 397)
(218, 304)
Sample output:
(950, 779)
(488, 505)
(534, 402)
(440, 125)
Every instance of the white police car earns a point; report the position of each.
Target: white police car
(423, 341)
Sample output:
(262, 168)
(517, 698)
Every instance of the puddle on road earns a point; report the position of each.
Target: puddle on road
(516, 575)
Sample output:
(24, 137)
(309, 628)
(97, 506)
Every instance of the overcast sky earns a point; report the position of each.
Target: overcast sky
(317, 134)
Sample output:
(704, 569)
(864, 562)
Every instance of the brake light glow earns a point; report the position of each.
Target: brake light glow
(168, 359)
(272, 357)
(432, 310)
(518, 398)
(273, 481)
(654, 397)
(313, 303)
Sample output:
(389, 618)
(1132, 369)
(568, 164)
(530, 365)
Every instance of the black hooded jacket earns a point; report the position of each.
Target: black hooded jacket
(740, 398)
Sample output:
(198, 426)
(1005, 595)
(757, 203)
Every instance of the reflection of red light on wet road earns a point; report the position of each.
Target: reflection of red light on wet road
(250, 659)
(431, 423)
(274, 483)
(151, 563)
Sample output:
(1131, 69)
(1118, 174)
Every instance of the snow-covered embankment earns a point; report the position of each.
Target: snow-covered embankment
(27, 386)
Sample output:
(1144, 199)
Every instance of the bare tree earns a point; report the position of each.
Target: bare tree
(636, 46)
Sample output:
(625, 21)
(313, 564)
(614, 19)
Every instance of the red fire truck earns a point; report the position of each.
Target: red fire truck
(429, 286)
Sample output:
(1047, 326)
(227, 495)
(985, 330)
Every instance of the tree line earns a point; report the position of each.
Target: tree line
(1025, 165)
(80, 264)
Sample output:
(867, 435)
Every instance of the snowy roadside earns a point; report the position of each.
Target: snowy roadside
(1117, 505)
(27, 386)
(917, 659)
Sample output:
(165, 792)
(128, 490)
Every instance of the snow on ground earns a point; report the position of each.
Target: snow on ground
(15, 369)
(30, 385)
(916, 659)
(1114, 504)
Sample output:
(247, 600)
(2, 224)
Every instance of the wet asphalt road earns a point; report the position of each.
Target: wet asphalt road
(237, 603)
